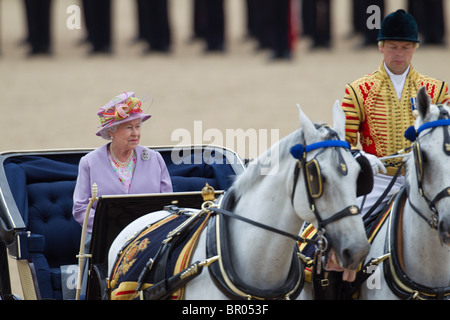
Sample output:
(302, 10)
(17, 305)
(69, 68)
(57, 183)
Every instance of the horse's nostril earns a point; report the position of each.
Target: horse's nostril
(347, 256)
(352, 256)
(444, 230)
(444, 227)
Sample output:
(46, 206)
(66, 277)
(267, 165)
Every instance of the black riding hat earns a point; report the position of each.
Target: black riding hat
(399, 26)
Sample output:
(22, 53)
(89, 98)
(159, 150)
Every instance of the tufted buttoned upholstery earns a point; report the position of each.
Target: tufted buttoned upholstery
(43, 188)
(50, 215)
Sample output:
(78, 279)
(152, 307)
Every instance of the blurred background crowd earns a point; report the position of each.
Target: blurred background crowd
(274, 24)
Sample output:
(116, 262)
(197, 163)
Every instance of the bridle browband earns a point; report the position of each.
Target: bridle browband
(443, 122)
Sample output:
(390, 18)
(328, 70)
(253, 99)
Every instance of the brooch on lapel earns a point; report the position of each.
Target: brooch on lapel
(145, 155)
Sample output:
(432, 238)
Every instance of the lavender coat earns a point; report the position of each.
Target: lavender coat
(150, 176)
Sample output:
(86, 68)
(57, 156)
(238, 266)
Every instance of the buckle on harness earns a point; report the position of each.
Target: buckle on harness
(324, 282)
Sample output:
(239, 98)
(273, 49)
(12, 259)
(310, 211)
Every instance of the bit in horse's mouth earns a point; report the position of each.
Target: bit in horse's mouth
(332, 264)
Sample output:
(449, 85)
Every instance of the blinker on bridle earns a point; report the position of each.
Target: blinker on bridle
(313, 176)
(413, 135)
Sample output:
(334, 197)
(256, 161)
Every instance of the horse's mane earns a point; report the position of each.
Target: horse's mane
(409, 166)
(253, 174)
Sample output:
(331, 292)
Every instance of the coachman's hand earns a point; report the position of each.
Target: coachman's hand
(375, 163)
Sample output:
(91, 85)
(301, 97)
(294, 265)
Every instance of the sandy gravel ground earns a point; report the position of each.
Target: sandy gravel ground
(52, 102)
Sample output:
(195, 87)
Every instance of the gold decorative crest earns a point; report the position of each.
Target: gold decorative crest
(128, 258)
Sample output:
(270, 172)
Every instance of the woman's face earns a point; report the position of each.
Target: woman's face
(127, 135)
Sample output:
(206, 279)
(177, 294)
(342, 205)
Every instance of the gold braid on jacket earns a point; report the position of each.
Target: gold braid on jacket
(373, 110)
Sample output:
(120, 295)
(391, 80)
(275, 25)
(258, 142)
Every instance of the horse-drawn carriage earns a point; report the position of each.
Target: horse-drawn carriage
(252, 241)
(38, 230)
(262, 213)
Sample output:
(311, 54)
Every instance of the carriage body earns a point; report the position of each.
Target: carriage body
(37, 228)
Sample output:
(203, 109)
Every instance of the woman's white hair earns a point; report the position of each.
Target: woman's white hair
(106, 134)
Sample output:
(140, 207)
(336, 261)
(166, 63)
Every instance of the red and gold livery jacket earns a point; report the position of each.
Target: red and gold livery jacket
(373, 110)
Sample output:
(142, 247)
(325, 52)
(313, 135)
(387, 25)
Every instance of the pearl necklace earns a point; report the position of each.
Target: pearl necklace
(117, 161)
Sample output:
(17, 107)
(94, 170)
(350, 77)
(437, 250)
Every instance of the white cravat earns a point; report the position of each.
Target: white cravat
(398, 80)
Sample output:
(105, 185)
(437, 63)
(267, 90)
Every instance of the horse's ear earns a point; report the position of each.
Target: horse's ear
(423, 102)
(339, 120)
(306, 123)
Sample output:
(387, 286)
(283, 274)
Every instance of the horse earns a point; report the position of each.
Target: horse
(252, 235)
(410, 253)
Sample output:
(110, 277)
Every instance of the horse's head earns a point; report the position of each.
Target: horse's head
(327, 174)
(431, 162)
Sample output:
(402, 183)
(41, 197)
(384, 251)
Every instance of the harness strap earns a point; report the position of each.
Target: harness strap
(384, 194)
(164, 289)
(443, 194)
(433, 222)
(229, 282)
(349, 211)
(396, 278)
(160, 260)
(260, 225)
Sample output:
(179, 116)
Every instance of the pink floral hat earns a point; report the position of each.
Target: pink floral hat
(122, 108)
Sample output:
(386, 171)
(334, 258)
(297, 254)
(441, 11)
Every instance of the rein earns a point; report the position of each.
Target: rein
(215, 209)
(223, 273)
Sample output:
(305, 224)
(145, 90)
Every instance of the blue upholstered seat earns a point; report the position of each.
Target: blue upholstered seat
(50, 215)
(43, 186)
(43, 189)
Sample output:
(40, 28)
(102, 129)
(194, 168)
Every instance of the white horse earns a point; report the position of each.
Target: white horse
(414, 241)
(262, 258)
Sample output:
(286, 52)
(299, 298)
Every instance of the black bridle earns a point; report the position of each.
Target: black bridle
(299, 152)
(348, 211)
(444, 122)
